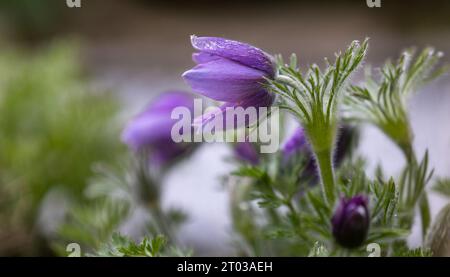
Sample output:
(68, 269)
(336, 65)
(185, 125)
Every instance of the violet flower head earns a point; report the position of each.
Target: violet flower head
(245, 151)
(230, 71)
(351, 221)
(151, 130)
(295, 143)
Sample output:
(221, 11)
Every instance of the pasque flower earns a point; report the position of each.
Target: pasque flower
(295, 143)
(230, 71)
(351, 221)
(151, 130)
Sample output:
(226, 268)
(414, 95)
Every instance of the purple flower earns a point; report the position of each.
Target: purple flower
(351, 221)
(295, 146)
(295, 143)
(230, 71)
(245, 151)
(151, 130)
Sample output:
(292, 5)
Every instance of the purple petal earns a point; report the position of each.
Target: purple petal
(224, 80)
(154, 124)
(203, 57)
(260, 99)
(166, 152)
(351, 221)
(170, 100)
(245, 151)
(294, 143)
(208, 117)
(339, 213)
(145, 131)
(242, 53)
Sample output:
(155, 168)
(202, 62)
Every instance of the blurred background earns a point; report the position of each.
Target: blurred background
(71, 77)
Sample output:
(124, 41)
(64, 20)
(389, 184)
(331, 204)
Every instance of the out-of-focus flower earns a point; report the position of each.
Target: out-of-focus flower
(151, 130)
(230, 71)
(295, 143)
(296, 146)
(245, 151)
(351, 221)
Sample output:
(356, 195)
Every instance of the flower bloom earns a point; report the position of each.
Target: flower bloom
(295, 143)
(151, 130)
(351, 221)
(245, 151)
(230, 71)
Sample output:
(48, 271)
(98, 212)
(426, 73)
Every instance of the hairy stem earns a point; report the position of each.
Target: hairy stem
(324, 161)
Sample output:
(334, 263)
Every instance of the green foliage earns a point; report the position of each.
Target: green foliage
(313, 98)
(91, 224)
(111, 198)
(272, 226)
(314, 95)
(34, 18)
(416, 252)
(383, 102)
(413, 181)
(299, 223)
(53, 128)
(318, 251)
(305, 220)
(386, 202)
(121, 246)
(113, 195)
(383, 200)
(412, 184)
(442, 186)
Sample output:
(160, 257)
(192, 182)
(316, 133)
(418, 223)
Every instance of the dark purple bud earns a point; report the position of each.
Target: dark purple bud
(245, 151)
(351, 221)
(151, 130)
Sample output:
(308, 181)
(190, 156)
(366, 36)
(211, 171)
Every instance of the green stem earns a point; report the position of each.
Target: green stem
(424, 206)
(425, 214)
(326, 171)
(408, 152)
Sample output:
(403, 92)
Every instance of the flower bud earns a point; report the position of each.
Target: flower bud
(231, 72)
(351, 221)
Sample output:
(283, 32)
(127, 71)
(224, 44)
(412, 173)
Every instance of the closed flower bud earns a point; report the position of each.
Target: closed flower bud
(351, 221)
